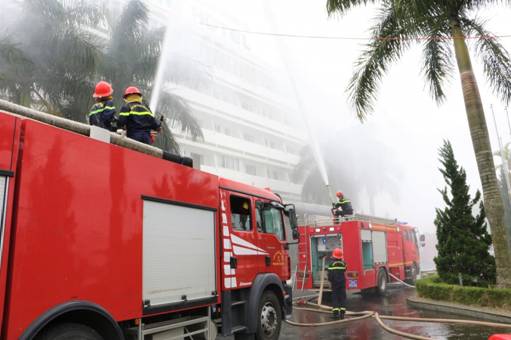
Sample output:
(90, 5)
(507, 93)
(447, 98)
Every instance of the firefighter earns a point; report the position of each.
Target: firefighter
(136, 118)
(343, 206)
(102, 113)
(336, 271)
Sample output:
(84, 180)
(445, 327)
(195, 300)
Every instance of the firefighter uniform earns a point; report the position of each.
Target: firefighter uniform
(102, 114)
(336, 271)
(343, 206)
(136, 117)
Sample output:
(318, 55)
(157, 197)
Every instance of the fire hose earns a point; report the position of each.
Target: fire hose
(356, 316)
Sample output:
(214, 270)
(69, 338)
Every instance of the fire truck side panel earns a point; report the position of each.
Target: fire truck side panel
(7, 131)
(78, 227)
(177, 241)
(351, 250)
(10, 129)
(410, 246)
(395, 250)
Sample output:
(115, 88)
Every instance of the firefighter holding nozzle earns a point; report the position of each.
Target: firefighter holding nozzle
(342, 207)
(336, 270)
(137, 119)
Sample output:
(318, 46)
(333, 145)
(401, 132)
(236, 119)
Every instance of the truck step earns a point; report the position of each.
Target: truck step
(237, 329)
(237, 303)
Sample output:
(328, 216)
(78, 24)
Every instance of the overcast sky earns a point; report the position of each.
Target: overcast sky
(406, 119)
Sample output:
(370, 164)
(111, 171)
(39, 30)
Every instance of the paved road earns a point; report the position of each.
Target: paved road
(394, 303)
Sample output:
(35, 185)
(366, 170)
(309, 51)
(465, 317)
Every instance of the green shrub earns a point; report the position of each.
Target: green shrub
(432, 288)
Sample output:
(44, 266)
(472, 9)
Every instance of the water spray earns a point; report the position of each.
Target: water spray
(160, 71)
(316, 152)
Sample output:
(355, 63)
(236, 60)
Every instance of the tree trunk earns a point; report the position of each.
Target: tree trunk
(481, 142)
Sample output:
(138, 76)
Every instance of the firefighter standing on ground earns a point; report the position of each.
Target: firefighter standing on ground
(136, 118)
(336, 271)
(102, 113)
(343, 206)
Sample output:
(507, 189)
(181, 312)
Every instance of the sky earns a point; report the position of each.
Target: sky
(406, 120)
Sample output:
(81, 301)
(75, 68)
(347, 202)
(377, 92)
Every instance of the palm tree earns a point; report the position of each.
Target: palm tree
(52, 61)
(55, 61)
(438, 24)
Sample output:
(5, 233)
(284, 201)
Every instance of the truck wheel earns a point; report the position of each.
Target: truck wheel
(69, 331)
(270, 317)
(382, 282)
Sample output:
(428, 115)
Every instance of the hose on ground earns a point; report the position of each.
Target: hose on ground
(399, 280)
(379, 319)
(320, 308)
(397, 332)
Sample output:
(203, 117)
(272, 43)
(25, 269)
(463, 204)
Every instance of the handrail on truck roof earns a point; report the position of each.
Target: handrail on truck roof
(85, 129)
(324, 221)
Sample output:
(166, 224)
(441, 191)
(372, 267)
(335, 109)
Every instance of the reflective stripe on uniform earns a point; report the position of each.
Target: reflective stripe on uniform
(337, 266)
(143, 111)
(101, 110)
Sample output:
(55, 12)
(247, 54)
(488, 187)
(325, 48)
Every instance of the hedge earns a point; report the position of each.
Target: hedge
(432, 288)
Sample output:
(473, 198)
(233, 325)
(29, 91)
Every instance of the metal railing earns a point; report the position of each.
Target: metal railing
(85, 130)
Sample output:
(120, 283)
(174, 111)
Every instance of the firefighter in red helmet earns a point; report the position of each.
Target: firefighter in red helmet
(343, 206)
(102, 113)
(136, 118)
(336, 271)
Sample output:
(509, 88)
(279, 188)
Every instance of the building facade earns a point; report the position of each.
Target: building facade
(242, 103)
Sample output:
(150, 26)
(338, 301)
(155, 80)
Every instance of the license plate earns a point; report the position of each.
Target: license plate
(353, 283)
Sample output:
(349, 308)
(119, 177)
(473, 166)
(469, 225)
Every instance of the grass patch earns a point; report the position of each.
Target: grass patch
(432, 288)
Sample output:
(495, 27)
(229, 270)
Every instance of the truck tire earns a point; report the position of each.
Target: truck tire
(381, 287)
(270, 317)
(69, 331)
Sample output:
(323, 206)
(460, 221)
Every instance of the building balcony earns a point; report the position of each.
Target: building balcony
(239, 148)
(236, 114)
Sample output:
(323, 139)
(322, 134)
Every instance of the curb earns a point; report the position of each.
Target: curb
(476, 312)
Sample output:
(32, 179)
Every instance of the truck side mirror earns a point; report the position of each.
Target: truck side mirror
(291, 213)
(422, 239)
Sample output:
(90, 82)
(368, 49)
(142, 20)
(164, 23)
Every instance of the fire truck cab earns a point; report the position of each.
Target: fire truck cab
(102, 242)
(373, 248)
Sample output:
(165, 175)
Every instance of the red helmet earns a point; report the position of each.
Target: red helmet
(339, 194)
(103, 89)
(132, 90)
(337, 253)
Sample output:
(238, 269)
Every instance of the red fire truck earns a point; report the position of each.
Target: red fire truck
(99, 241)
(373, 249)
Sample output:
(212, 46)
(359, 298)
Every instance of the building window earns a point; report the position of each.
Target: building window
(230, 163)
(251, 169)
(197, 159)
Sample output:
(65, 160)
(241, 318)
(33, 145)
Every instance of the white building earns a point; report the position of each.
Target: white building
(241, 102)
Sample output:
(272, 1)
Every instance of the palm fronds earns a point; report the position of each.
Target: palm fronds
(495, 58)
(437, 65)
(374, 61)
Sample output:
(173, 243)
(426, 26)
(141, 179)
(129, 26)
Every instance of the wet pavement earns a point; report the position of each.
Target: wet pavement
(394, 303)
